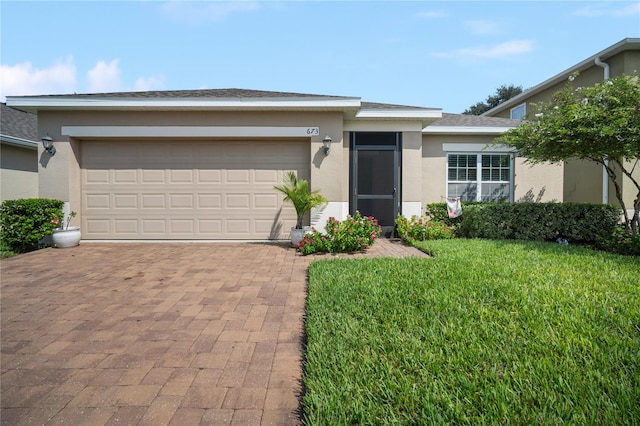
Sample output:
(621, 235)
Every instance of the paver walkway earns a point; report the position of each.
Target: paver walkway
(180, 334)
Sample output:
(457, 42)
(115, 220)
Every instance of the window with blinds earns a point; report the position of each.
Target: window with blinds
(479, 177)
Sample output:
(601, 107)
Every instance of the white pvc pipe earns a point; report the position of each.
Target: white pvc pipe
(605, 177)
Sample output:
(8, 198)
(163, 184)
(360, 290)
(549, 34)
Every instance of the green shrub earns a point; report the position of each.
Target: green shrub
(620, 241)
(5, 251)
(352, 234)
(421, 229)
(24, 222)
(575, 222)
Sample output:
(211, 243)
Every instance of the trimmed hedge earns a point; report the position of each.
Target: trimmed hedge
(575, 222)
(24, 222)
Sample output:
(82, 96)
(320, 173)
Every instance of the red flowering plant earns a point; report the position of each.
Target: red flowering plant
(355, 233)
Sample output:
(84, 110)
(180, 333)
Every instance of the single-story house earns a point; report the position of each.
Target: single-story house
(201, 164)
(583, 181)
(18, 154)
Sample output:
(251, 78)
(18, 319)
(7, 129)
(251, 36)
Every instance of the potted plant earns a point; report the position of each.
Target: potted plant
(66, 236)
(303, 199)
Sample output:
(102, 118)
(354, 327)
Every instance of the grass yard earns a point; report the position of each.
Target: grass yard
(486, 332)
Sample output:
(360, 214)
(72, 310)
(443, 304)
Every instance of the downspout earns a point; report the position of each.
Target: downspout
(605, 177)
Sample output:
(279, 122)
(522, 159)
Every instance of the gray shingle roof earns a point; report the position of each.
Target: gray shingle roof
(232, 93)
(376, 105)
(200, 93)
(18, 124)
(474, 121)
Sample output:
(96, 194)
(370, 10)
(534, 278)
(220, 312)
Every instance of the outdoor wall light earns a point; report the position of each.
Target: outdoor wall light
(327, 144)
(47, 143)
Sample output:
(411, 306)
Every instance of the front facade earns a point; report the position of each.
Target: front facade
(187, 165)
(583, 181)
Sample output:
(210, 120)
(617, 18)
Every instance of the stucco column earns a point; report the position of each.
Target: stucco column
(411, 173)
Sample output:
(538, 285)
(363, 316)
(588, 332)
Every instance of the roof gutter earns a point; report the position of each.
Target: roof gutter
(605, 177)
(23, 143)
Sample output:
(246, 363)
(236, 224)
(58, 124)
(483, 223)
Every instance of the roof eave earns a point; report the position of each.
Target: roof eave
(34, 104)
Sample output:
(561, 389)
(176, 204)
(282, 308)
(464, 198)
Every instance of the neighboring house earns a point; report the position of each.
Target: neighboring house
(18, 154)
(202, 164)
(583, 181)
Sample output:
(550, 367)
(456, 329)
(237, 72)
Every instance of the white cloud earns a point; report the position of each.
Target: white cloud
(105, 77)
(154, 82)
(432, 14)
(500, 51)
(482, 27)
(607, 9)
(60, 78)
(193, 12)
(23, 79)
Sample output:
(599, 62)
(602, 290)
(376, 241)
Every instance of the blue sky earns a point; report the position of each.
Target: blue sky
(427, 53)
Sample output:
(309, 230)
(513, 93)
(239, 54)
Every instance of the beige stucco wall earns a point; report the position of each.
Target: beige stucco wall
(629, 190)
(542, 182)
(18, 172)
(538, 183)
(582, 182)
(412, 180)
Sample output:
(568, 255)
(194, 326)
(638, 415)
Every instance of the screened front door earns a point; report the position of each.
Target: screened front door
(375, 172)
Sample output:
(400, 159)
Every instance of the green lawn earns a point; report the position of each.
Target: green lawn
(486, 332)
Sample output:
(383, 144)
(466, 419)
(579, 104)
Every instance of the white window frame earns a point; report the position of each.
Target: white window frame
(479, 180)
(516, 110)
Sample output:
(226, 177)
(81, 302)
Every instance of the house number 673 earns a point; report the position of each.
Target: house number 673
(313, 131)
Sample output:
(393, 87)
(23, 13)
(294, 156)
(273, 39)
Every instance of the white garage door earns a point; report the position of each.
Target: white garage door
(188, 189)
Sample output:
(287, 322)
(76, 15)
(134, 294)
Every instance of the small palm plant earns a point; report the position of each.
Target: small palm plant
(298, 193)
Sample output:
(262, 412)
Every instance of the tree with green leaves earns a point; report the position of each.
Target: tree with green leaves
(503, 93)
(599, 123)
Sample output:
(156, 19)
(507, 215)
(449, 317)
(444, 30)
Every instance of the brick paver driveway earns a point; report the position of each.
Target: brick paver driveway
(155, 334)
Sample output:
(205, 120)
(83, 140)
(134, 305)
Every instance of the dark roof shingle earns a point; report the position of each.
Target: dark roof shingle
(18, 124)
(474, 121)
(200, 93)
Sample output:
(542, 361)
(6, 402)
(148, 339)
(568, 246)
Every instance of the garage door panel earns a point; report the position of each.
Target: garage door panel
(125, 201)
(209, 201)
(265, 201)
(97, 177)
(97, 201)
(208, 176)
(237, 176)
(125, 227)
(181, 201)
(209, 228)
(271, 177)
(101, 227)
(153, 201)
(180, 176)
(182, 226)
(154, 226)
(188, 190)
(238, 201)
(152, 176)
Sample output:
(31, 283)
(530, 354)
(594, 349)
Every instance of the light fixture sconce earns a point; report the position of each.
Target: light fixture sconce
(327, 144)
(47, 143)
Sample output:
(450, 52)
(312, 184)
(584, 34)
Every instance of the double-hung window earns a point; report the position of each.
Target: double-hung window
(480, 177)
